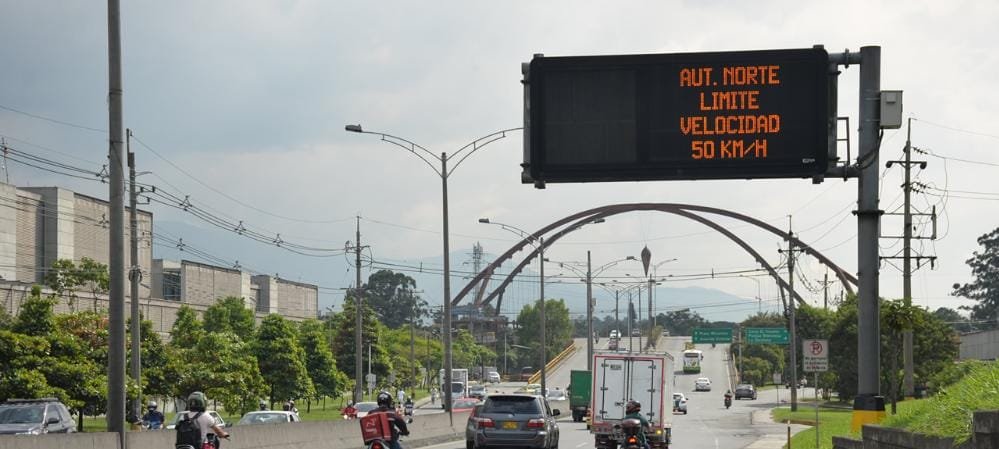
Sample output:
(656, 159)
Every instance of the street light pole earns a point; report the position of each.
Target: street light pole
(544, 321)
(426, 155)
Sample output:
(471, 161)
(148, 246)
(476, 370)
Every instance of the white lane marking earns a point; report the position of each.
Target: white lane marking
(581, 445)
(716, 442)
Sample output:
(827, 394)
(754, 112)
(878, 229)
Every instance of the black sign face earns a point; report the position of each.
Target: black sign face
(733, 115)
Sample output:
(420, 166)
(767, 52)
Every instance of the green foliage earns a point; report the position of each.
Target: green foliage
(343, 340)
(761, 361)
(934, 344)
(558, 330)
(319, 360)
(230, 314)
(224, 368)
(160, 365)
(281, 360)
(391, 295)
(187, 329)
(6, 321)
(949, 412)
(959, 322)
(65, 277)
(985, 288)
(953, 373)
(681, 322)
(756, 370)
(35, 317)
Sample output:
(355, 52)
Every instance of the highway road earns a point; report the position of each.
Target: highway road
(707, 425)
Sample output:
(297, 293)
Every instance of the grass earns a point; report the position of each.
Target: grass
(832, 422)
(948, 413)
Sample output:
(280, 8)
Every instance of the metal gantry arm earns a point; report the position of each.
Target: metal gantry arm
(405, 144)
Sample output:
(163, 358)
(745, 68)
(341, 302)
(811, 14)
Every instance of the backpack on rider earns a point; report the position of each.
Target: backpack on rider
(188, 432)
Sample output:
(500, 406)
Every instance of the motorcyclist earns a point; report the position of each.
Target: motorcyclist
(408, 406)
(153, 418)
(396, 423)
(633, 410)
(263, 405)
(350, 412)
(728, 398)
(196, 404)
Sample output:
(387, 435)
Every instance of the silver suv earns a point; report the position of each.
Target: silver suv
(35, 417)
(505, 420)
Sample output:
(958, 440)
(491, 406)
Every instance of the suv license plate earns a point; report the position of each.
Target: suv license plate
(510, 425)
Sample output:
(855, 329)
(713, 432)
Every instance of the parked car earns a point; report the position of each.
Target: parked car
(679, 403)
(614, 334)
(215, 415)
(462, 405)
(363, 408)
(613, 344)
(745, 391)
(526, 373)
(513, 420)
(636, 333)
(702, 384)
(665, 333)
(477, 391)
(493, 377)
(35, 417)
(267, 417)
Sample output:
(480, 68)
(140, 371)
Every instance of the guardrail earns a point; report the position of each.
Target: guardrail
(553, 362)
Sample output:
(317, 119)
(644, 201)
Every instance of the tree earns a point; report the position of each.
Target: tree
(230, 314)
(65, 277)
(187, 329)
(282, 360)
(160, 363)
(954, 318)
(224, 368)
(558, 329)
(36, 317)
(681, 322)
(985, 288)
(391, 295)
(770, 358)
(319, 360)
(6, 321)
(343, 340)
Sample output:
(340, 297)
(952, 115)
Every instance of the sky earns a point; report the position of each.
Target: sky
(240, 106)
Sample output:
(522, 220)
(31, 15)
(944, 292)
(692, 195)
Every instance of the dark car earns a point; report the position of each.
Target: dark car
(526, 373)
(513, 420)
(745, 391)
(35, 417)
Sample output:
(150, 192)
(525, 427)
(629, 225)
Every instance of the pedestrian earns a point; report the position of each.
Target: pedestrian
(401, 394)
(433, 395)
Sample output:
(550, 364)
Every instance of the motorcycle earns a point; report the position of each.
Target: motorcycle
(728, 402)
(408, 409)
(211, 442)
(630, 429)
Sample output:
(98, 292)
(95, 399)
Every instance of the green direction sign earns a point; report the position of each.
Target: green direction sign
(766, 335)
(704, 335)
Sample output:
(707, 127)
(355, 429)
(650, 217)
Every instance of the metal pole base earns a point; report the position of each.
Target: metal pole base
(867, 409)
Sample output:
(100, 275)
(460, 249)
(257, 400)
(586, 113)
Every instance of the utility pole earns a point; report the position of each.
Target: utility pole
(116, 189)
(134, 276)
(907, 237)
(617, 321)
(358, 321)
(792, 327)
(825, 291)
(589, 313)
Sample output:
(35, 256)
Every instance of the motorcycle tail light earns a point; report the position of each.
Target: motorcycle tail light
(536, 424)
(632, 440)
(376, 445)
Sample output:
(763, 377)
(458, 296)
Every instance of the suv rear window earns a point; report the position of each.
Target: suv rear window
(525, 405)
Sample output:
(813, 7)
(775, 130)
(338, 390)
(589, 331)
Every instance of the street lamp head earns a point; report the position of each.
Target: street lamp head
(354, 128)
(630, 258)
(484, 220)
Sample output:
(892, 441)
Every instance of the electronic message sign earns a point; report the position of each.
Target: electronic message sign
(731, 115)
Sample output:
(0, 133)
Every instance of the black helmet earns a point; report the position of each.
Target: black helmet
(196, 401)
(384, 399)
(633, 406)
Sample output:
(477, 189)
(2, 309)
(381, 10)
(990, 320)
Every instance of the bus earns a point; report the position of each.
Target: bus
(692, 360)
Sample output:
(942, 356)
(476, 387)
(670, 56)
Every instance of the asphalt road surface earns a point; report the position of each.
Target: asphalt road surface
(707, 425)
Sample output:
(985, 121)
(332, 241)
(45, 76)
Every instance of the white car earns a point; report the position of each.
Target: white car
(679, 403)
(215, 415)
(493, 377)
(614, 334)
(363, 408)
(267, 417)
(702, 384)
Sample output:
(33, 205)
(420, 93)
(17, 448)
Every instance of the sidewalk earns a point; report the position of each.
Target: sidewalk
(776, 434)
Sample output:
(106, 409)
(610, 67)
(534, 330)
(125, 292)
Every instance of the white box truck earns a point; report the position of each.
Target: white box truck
(619, 378)
(459, 384)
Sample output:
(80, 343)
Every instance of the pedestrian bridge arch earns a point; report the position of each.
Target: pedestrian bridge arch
(559, 228)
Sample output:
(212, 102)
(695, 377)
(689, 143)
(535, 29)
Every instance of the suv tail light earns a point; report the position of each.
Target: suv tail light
(537, 423)
(485, 422)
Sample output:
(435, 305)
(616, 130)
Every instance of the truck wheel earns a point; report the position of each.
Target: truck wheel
(469, 444)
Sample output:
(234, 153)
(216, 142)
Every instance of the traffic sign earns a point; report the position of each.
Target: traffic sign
(766, 335)
(815, 355)
(718, 115)
(705, 335)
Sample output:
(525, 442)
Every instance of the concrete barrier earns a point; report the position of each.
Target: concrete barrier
(425, 430)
